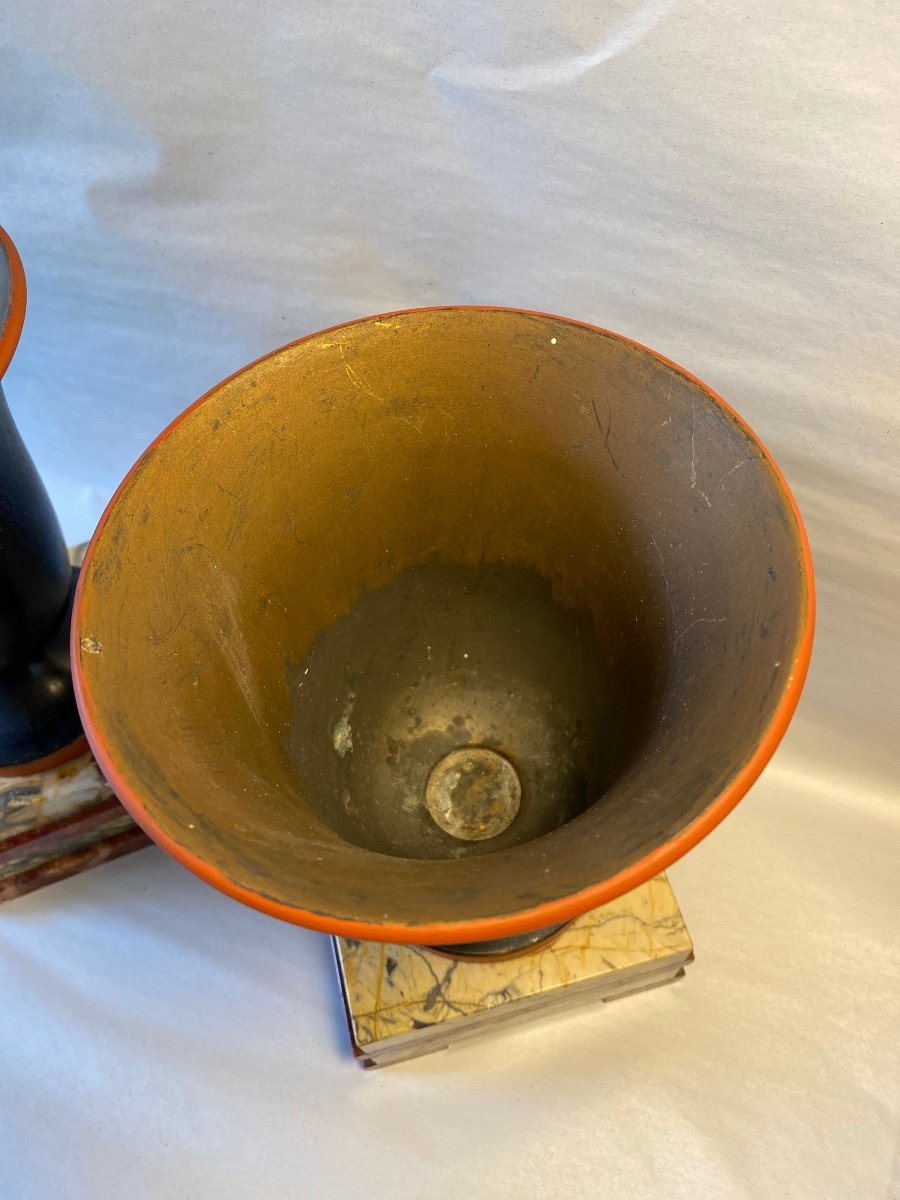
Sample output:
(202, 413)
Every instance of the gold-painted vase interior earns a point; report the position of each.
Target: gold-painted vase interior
(440, 618)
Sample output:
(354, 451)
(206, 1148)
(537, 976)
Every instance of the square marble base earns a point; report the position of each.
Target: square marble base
(404, 1001)
(58, 823)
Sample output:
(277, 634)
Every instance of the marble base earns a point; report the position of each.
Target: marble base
(405, 1001)
(60, 822)
(57, 823)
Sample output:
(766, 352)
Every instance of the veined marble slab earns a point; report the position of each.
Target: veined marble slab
(62, 821)
(403, 1001)
(59, 822)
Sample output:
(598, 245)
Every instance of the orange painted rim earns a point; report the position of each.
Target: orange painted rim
(15, 317)
(482, 928)
(49, 761)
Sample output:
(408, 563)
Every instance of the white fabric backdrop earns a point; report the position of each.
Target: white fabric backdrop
(191, 185)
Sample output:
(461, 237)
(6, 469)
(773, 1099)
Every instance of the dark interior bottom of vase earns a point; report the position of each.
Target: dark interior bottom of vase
(461, 710)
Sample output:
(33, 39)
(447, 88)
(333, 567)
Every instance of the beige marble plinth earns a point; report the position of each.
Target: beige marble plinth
(403, 1001)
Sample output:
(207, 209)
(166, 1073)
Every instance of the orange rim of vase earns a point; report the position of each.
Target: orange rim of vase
(15, 316)
(57, 759)
(475, 929)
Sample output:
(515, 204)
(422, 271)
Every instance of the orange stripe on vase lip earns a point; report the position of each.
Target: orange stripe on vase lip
(15, 315)
(49, 761)
(480, 928)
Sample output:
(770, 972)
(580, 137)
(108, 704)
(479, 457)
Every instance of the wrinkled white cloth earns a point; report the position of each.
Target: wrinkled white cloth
(193, 185)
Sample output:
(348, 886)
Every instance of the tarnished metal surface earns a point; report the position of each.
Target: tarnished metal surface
(473, 794)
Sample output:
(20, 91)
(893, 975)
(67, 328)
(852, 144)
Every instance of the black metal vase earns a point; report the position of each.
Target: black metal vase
(39, 722)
